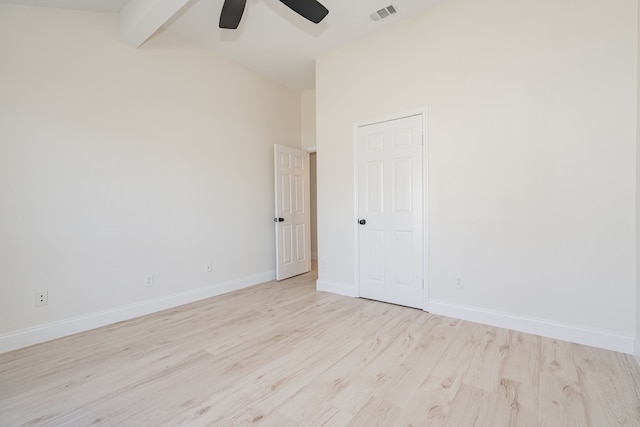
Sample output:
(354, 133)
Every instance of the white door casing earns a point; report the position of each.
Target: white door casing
(390, 211)
(292, 212)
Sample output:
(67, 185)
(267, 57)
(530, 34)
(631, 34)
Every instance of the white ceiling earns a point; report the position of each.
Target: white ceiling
(271, 39)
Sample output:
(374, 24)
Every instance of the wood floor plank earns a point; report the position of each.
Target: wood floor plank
(433, 401)
(283, 354)
(561, 398)
(376, 412)
(616, 393)
(516, 400)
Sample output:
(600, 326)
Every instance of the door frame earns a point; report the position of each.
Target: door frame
(424, 112)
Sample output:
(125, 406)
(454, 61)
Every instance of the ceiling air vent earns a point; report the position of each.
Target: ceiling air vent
(383, 13)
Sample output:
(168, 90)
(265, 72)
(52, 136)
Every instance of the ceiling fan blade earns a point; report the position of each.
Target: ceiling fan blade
(310, 9)
(231, 14)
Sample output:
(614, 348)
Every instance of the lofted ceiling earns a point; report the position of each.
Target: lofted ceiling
(271, 39)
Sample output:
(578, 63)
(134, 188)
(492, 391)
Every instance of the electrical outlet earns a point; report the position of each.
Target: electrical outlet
(459, 282)
(41, 298)
(148, 280)
(209, 267)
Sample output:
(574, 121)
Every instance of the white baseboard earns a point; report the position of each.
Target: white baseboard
(336, 288)
(74, 325)
(636, 349)
(556, 330)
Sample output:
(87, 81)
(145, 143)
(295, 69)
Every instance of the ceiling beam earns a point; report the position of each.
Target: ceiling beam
(139, 19)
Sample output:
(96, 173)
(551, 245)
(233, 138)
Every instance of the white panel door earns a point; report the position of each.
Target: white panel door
(390, 211)
(292, 220)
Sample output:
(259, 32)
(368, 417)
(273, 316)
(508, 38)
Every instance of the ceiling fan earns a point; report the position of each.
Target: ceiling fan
(232, 11)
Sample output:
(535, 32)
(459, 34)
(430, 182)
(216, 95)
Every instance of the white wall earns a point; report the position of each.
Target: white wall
(117, 162)
(308, 115)
(531, 171)
(637, 341)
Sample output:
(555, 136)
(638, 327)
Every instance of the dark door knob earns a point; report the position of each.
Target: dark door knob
(278, 219)
(362, 222)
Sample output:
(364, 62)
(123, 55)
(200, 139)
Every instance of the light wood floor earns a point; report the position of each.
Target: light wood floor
(283, 354)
